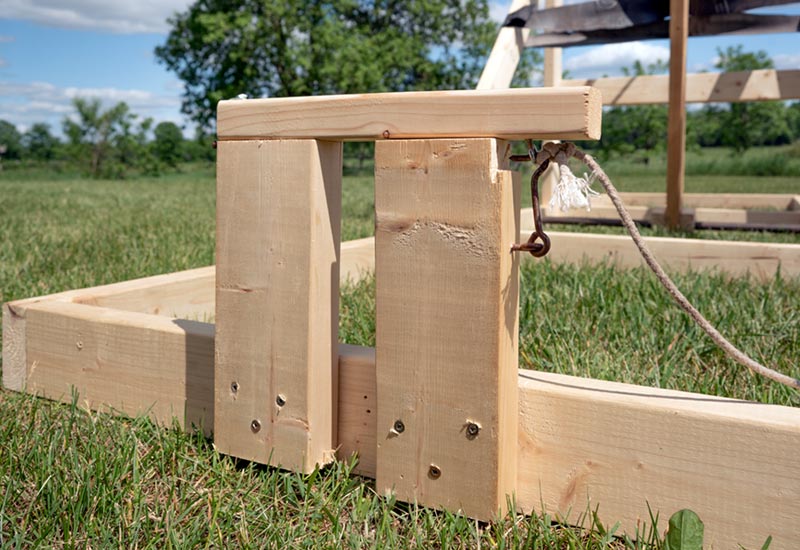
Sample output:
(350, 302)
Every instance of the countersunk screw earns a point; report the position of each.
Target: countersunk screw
(473, 429)
(399, 427)
(434, 471)
(255, 426)
(234, 387)
(280, 400)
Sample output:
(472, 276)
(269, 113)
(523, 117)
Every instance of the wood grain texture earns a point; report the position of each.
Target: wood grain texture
(504, 57)
(758, 85)
(676, 122)
(278, 231)
(14, 348)
(539, 113)
(130, 363)
(582, 441)
(447, 292)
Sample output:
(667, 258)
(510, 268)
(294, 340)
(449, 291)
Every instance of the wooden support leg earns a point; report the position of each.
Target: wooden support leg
(277, 300)
(447, 322)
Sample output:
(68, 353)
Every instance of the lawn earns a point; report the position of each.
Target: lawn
(76, 479)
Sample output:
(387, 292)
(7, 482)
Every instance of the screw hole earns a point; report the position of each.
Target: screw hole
(280, 400)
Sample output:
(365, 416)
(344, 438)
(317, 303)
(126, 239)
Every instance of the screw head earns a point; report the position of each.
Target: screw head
(399, 427)
(434, 471)
(280, 400)
(234, 387)
(472, 430)
(255, 426)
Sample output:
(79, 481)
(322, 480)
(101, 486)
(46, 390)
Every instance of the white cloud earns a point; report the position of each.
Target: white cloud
(3, 62)
(5, 39)
(609, 59)
(786, 61)
(125, 17)
(27, 103)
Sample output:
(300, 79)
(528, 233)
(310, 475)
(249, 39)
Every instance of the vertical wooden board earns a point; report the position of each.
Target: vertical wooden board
(504, 57)
(447, 322)
(676, 127)
(277, 300)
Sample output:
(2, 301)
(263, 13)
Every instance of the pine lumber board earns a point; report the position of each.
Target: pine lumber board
(506, 51)
(121, 361)
(676, 117)
(538, 113)
(701, 215)
(447, 302)
(582, 442)
(773, 201)
(740, 86)
(277, 300)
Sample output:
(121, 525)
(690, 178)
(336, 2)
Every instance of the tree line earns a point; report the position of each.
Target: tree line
(108, 143)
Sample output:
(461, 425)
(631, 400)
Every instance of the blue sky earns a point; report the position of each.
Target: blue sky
(54, 50)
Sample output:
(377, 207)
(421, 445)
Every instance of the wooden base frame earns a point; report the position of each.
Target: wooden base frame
(701, 210)
(623, 448)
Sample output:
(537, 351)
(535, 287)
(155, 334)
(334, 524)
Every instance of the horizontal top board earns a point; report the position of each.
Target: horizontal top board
(521, 113)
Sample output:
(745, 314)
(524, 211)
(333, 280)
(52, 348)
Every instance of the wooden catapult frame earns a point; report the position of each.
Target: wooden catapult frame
(673, 208)
(438, 412)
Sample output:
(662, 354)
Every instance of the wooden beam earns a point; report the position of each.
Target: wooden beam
(553, 71)
(447, 298)
(582, 442)
(121, 361)
(504, 57)
(676, 126)
(755, 201)
(277, 300)
(759, 85)
(572, 113)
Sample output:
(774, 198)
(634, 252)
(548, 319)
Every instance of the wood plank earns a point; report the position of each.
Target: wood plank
(700, 215)
(616, 446)
(14, 347)
(277, 300)
(504, 57)
(184, 294)
(676, 123)
(129, 363)
(758, 85)
(553, 70)
(706, 200)
(447, 292)
(760, 260)
(538, 113)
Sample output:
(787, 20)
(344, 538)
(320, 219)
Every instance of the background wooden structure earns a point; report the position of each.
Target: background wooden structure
(676, 89)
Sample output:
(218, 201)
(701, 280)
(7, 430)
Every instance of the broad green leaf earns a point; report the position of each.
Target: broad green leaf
(685, 531)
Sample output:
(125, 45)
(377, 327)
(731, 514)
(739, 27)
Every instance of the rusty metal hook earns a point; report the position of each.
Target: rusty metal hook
(537, 249)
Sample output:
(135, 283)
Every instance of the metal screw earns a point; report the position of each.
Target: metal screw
(399, 427)
(234, 387)
(280, 400)
(255, 426)
(434, 471)
(472, 430)
(387, 134)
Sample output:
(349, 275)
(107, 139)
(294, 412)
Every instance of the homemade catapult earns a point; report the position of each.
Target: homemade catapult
(438, 411)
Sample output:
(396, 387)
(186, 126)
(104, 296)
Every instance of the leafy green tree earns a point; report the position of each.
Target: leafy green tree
(110, 141)
(223, 48)
(10, 140)
(168, 143)
(637, 127)
(40, 143)
(747, 124)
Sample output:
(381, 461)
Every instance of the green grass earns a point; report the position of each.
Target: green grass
(69, 478)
